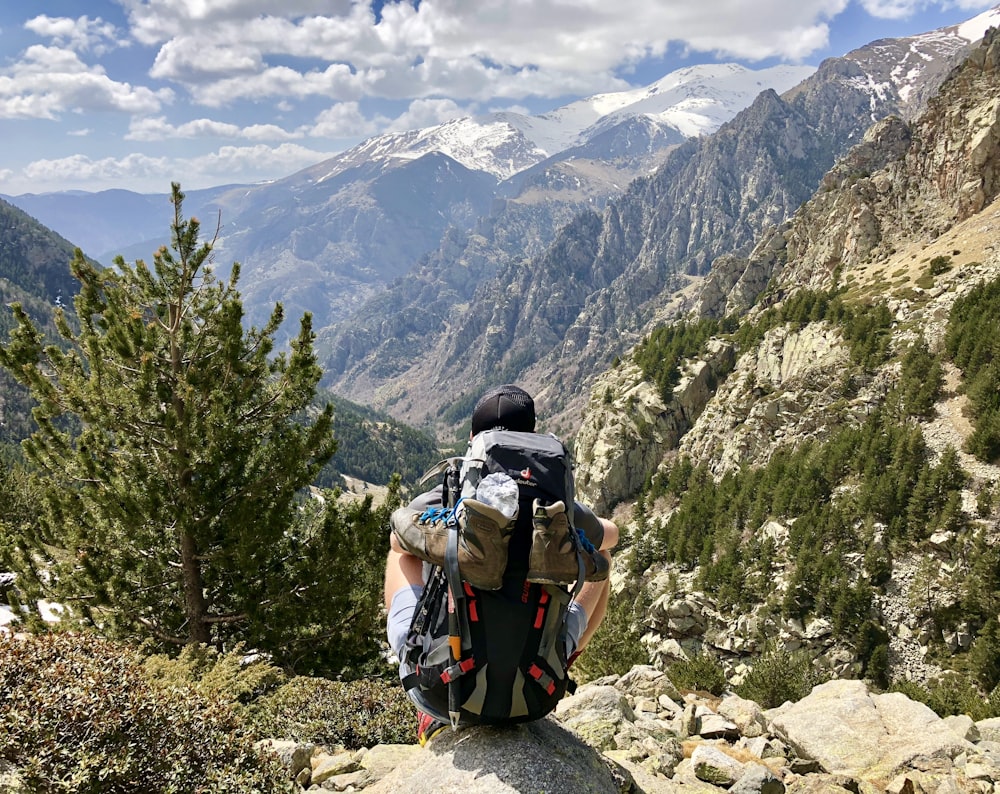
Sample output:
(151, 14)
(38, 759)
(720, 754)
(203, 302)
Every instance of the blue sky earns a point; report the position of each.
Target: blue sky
(138, 93)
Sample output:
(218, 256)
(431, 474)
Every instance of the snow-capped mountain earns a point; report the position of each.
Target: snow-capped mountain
(900, 66)
(559, 316)
(691, 102)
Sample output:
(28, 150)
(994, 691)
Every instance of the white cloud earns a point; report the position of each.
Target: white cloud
(78, 34)
(253, 163)
(224, 51)
(80, 170)
(345, 120)
(282, 82)
(427, 113)
(892, 9)
(159, 129)
(50, 81)
(142, 172)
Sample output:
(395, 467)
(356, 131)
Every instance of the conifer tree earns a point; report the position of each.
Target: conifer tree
(173, 510)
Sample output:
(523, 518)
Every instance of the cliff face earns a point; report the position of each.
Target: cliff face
(903, 226)
(555, 319)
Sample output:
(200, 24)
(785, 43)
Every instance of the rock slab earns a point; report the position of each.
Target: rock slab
(536, 756)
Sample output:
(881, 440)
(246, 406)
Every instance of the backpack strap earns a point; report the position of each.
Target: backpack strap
(458, 629)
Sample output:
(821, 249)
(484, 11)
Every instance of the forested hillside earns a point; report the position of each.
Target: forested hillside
(809, 460)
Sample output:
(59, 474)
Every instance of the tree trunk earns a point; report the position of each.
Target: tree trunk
(194, 591)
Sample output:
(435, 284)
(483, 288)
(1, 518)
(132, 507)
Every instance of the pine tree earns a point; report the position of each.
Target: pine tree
(173, 512)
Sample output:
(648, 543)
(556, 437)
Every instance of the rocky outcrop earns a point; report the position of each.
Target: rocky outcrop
(630, 427)
(787, 389)
(849, 731)
(537, 756)
(636, 733)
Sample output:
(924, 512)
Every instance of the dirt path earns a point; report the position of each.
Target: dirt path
(950, 427)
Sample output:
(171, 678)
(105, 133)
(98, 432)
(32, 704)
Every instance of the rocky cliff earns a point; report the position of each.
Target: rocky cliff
(901, 228)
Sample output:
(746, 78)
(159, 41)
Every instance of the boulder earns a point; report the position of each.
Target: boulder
(714, 766)
(596, 714)
(747, 715)
(535, 756)
(849, 731)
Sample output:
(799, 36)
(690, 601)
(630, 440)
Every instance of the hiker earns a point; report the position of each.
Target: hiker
(562, 560)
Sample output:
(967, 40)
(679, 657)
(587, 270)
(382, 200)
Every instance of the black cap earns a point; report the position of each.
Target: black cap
(506, 406)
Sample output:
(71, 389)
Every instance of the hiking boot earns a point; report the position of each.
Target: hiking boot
(423, 534)
(482, 546)
(428, 728)
(556, 549)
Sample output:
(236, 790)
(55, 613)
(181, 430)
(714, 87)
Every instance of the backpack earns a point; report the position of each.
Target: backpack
(496, 656)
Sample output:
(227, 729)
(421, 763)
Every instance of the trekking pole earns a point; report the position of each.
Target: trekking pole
(456, 599)
(454, 657)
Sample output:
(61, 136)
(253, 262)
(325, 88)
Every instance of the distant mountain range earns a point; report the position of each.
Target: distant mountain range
(527, 247)
(328, 237)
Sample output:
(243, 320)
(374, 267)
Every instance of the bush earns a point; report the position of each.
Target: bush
(79, 715)
(230, 677)
(354, 714)
(952, 694)
(616, 646)
(777, 676)
(703, 673)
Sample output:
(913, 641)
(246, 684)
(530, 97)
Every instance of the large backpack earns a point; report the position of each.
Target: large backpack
(496, 656)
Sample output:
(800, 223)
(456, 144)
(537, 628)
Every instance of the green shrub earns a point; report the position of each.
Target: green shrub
(615, 647)
(939, 265)
(779, 675)
(79, 715)
(984, 656)
(230, 677)
(354, 714)
(952, 693)
(702, 673)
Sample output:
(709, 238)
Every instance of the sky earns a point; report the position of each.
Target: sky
(136, 94)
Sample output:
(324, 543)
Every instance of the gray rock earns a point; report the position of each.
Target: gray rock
(745, 714)
(535, 756)
(989, 730)
(294, 756)
(329, 766)
(716, 767)
(757, 779)
(647, 681)
(596, 714)
(963, 727)
(849, 731)
(381, 759)
(348, 781)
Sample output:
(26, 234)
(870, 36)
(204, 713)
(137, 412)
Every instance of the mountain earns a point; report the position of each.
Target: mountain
(807, 459)
(555, 319)
(685, 103)
(329, 237)
(111, 222)
(34, 271)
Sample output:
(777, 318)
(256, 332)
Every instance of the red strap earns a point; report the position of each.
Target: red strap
(461, 668)
(542, 678)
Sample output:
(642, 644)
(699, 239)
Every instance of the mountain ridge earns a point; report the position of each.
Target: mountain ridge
(709, 198)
